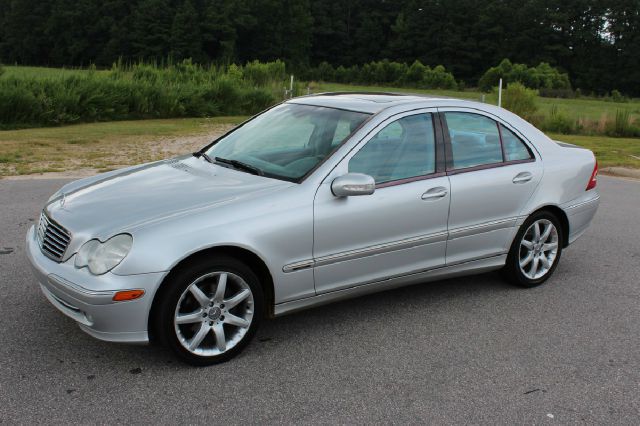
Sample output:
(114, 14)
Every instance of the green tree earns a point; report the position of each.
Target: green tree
(278, 30)
(114, 21)
(73, 41)
(218, 29)
(24, 40)
(185, 38)
(150, 33)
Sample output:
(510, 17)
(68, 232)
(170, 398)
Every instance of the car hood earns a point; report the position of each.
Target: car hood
(122, 201)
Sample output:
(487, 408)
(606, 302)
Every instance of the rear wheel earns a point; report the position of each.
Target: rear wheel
(211, 311)
(536, 250)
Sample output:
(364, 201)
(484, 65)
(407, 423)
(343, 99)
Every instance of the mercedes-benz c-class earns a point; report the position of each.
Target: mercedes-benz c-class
(317, 199)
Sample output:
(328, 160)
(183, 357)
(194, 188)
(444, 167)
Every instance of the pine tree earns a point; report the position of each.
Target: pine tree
(151, 29)
(186, 41)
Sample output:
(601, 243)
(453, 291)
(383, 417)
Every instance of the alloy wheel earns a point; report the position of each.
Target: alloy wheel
(538, 249)
(214, 313)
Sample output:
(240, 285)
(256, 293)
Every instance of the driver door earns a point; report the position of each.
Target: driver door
(399, 229)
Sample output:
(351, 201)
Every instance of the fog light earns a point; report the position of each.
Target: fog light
(125, 295)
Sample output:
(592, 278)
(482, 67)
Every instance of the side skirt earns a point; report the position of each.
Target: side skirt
(451, 271)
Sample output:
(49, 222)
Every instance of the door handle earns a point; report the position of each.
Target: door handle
(522, 177)
(435, 193)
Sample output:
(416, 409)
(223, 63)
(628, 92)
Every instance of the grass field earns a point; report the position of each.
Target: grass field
(610, 152)
(92, 148)
(587, 108)
(40, 72)
(105, 146)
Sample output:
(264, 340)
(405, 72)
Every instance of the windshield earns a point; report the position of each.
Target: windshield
(287, 141)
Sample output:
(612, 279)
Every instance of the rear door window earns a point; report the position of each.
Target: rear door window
(475, 140)
(514, 148)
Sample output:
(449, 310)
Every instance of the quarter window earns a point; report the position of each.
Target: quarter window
(475, 140)
(514, 148)
(403, 149)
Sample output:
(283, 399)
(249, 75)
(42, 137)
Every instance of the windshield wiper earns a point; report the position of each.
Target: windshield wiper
(204, 155)
(240, 165)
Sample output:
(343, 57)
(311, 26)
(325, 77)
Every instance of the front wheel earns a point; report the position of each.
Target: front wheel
(211, 311)
(536, 250)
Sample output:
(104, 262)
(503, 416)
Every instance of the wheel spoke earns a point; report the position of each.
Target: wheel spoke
(189, 318)
(536, 231)
(545, 261)
(546, 233)
(549, 246)
(222, 286)
(218, 331)
(235, 300)
(202, 298)
(527, 244)
(534, 267)
(524, 262)
(199, 336)
(234, 320)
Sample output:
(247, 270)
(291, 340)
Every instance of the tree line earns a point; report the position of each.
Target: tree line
(596, 42)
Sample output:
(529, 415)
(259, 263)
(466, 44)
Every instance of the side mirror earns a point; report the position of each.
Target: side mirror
(353, 184)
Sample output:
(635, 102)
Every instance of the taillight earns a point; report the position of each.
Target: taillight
(594, 177)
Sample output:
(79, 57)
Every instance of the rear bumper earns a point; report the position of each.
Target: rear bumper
(88, 299)
(580, 214)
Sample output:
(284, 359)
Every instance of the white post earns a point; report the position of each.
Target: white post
(500, 93)
(291, 87)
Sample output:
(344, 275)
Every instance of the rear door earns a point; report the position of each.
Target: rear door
(493, 172)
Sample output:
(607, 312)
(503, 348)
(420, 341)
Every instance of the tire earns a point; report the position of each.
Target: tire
(210, 311)
(528, 252)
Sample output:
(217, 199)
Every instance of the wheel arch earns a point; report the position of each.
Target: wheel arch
(562, 217)
(244, 255)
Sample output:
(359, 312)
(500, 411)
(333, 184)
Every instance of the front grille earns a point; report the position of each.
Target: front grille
(53, 238)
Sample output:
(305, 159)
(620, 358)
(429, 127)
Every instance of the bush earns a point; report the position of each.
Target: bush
(385, 73)
(415, 73)
(543, 77)
(139, 91)
(520, 100)
(325, 72)
(616, 96)
(622, 126)
(558, 122)
(438, 78)
(261, 74)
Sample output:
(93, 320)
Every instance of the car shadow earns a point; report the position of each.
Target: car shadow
(411, 299)
(425, 302)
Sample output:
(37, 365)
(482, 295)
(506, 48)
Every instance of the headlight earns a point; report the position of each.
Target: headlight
(103, 257)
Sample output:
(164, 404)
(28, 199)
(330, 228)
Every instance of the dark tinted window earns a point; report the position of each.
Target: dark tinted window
(475, 140)
(514, 148)
(403, 149)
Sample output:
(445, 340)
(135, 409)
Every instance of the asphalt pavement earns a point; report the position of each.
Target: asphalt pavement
(467, 350)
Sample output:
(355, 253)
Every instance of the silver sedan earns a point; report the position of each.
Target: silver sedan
(317, 199)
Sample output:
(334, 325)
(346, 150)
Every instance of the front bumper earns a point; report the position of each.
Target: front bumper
(88, 299)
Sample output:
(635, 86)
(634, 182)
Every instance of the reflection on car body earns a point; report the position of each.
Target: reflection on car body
(317, 199)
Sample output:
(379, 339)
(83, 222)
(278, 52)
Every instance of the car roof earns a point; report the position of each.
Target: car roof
(368, 102)
(376, 102)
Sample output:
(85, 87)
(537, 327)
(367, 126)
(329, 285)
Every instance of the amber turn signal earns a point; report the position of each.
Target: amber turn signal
(122, 296)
